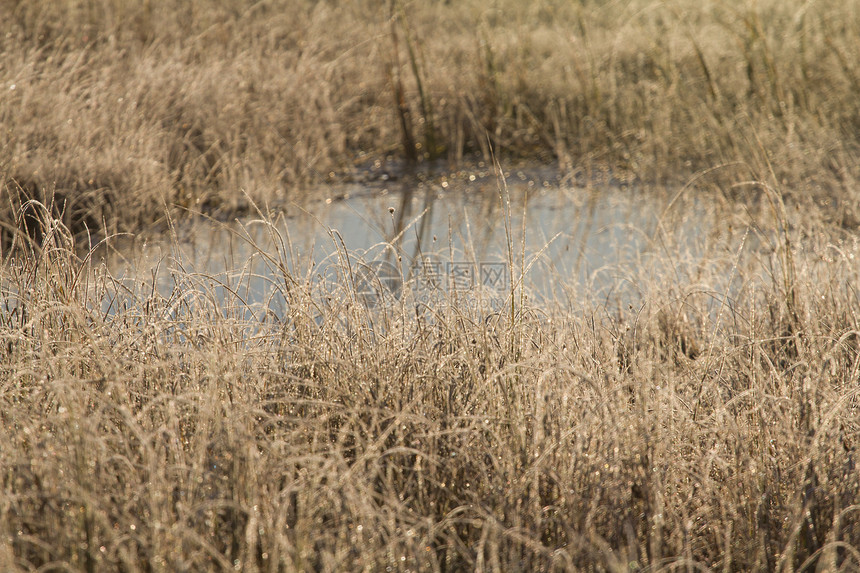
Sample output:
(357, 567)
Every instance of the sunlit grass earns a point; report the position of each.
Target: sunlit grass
(120, 108)
(174, 431)
(706, 427)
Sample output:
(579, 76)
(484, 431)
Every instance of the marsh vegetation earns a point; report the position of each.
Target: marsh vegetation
(711, 423)
(123, 108)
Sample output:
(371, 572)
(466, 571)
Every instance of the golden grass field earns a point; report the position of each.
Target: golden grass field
(703, 430)
(124, 107)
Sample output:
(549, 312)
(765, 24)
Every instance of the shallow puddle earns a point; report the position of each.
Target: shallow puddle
(562, 244)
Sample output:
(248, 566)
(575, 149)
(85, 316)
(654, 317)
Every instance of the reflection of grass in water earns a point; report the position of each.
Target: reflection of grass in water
(121, 107)
(166, 436)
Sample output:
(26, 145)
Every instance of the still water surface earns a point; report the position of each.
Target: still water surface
(559, 243)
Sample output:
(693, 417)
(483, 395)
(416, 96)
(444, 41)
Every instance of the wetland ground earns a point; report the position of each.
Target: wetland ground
(167, 421)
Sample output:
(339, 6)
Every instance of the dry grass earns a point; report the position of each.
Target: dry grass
(169, 433)
(144, 431)
(121, 108)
